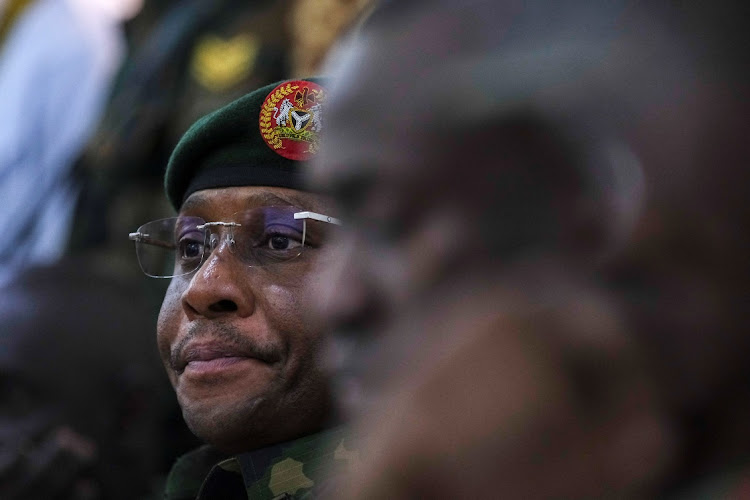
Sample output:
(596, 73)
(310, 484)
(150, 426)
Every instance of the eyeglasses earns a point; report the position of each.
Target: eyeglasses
(261, 236)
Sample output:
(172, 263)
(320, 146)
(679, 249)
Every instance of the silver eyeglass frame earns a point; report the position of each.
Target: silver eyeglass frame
(144, 237)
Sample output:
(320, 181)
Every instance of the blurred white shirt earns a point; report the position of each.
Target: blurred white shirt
(56, 68)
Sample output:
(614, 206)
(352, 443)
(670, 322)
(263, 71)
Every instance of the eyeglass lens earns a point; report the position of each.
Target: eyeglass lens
(260, 236)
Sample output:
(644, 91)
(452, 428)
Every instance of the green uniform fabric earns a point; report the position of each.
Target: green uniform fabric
(299, 469)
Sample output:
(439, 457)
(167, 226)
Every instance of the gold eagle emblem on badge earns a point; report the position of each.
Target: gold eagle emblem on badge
(291, 119)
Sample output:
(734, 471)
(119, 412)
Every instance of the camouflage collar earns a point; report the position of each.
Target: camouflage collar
(293, 470)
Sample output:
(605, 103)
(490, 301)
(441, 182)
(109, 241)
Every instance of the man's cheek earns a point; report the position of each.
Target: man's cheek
(168, 325)
(283, 303)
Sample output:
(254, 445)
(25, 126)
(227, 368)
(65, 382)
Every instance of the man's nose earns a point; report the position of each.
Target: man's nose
(220, 287)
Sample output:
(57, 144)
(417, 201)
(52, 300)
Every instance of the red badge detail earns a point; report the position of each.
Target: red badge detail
(291, 119)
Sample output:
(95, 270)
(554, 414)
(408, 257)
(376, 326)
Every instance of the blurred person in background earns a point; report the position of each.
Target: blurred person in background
(235, 331)
(543, 290)
(83, 405)
(57, 61)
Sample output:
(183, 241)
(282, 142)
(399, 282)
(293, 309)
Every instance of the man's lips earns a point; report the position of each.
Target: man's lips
(213, 354)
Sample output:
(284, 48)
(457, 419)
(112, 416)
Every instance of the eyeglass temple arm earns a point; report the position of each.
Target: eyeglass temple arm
(145, 238)
(317, 216)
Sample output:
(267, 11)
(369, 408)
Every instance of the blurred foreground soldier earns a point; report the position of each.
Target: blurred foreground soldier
(234, 332)
(509, 322)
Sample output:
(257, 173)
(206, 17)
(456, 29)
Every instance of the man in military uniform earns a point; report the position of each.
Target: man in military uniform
(234, 331)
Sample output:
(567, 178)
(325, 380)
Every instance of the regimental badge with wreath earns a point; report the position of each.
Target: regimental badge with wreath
(291, 119)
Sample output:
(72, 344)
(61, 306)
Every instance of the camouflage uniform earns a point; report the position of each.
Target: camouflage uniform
(299, 469)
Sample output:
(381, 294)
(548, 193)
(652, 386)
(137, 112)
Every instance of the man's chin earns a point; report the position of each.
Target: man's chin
(229, 428)
(240, 421)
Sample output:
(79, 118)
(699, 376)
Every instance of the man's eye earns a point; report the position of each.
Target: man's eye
(282, 242)
(190, 249)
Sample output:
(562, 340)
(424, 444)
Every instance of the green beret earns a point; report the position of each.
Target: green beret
(261, 139)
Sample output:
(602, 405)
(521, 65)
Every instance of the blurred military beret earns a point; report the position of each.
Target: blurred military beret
(261, 139)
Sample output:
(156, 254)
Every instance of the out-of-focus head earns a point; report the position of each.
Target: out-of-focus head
(235, 333)
(456, 145)
(467, 137)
